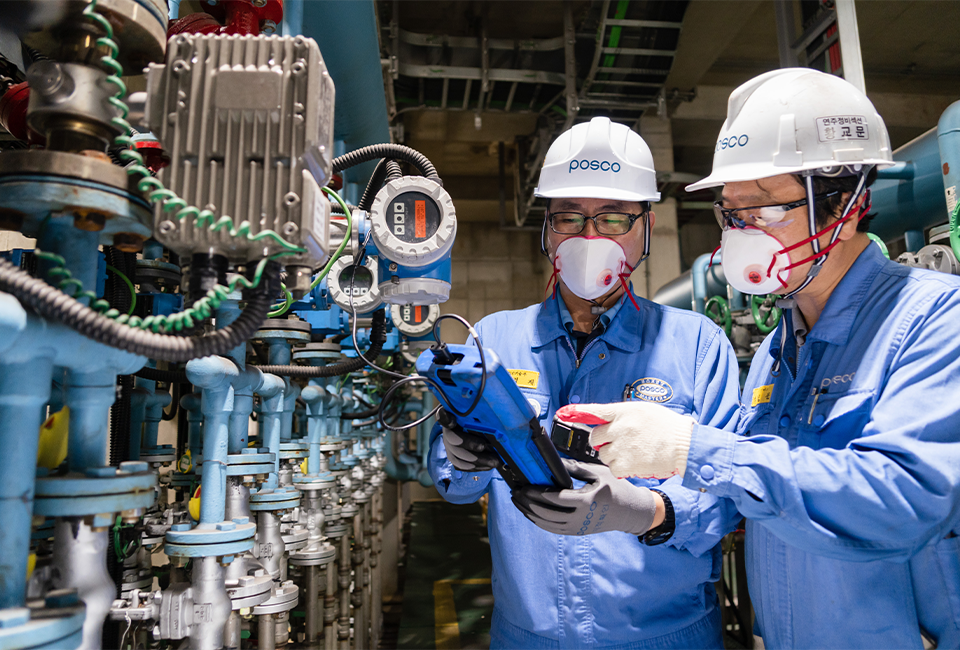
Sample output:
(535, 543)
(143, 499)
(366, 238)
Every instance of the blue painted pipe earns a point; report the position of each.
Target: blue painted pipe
(314, 396)
(679, 292)
(89, 396)
(215, 377)
(948, 138)
(346, 31)
(271, 394)
(191, 404)
(24, 390)
(910, 196)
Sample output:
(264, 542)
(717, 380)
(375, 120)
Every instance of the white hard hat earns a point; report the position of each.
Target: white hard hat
(793, 120)
(599, 159)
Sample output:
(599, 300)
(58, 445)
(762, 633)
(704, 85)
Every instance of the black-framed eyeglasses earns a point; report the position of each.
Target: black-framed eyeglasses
(761, 215)
(606, 223)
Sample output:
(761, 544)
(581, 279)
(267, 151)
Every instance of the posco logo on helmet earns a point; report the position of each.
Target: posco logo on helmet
(602, 165)
(732, 141)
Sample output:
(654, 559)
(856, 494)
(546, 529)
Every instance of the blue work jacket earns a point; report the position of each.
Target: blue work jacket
(607, 589)
(848, 466)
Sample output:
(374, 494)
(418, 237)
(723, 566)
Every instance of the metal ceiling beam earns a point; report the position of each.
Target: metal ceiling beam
(636, 51)
(708, 29)
(472, 42)
(495, 74)
(656, 24)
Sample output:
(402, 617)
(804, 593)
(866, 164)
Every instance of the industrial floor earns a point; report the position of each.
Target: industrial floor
(447, 601)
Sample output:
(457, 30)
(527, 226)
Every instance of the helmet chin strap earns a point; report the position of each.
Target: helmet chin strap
(820, 257)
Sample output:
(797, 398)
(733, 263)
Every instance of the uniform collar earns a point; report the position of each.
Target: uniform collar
(836, 322)
(621, 326)
(605, 318)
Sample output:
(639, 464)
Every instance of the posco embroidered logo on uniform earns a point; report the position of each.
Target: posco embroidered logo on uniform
(732, 141)
(651, 389)
(602, 165)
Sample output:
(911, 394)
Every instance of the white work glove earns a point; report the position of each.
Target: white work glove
(604, 504)
(635, 439)
(467, 451)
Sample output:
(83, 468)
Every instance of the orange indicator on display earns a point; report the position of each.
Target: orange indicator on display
(420, 226)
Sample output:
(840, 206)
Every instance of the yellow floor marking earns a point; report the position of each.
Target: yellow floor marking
(447, 629)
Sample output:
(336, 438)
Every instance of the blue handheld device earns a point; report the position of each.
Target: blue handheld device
(502, 416)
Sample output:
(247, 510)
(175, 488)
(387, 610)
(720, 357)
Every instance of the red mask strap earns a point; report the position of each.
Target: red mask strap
(860, 210)
(713, 254)
(553, 277)
(626, 289)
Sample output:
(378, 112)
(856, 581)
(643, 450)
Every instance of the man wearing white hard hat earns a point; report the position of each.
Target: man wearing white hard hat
(846, 458)
(646, 579)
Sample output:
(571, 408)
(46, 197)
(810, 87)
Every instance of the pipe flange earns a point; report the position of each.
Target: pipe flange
(249, 591)
(282, 599)
(250, 462)
(336, 532)
(349, 511)
(159, 454)
(272, 499)
(143, 584)
(321, 481)
(294, 537)
(56, 622)
(319, 351)
(283, 329)
(179, 480)
(294, 450)
(320, 556)
(101, 490)
(210, 540)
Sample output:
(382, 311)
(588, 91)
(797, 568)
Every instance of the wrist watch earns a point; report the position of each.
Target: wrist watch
(664, 531)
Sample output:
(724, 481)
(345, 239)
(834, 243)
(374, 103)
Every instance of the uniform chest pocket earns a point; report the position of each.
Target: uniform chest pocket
(755, 420)
(539, 402)
(832, 421)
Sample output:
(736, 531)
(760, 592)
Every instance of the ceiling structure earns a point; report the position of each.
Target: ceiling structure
(483, 87)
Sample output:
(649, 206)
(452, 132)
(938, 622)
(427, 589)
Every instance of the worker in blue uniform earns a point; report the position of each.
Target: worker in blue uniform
(846, 458)
(646, 581)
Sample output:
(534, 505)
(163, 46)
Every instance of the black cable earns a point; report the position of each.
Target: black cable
(437, 388)
(175, 392)
(394, 172)
(56, 305)
(377, 179)
(120, 422)
(378, 336)
(387, 150)
(168, 376)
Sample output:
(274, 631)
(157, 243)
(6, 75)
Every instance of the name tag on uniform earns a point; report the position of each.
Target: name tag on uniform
(525, 378)
(762, 394)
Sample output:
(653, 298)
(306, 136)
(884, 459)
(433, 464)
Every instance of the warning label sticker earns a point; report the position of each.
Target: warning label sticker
(842, 127)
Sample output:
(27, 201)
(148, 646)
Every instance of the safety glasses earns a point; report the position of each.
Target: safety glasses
(607, 223)
(763, 215)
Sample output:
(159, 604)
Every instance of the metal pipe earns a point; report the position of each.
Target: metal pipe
(266, 632)
(210, 597)
(24, 390)
(312, 605)
(80, 558)
(343, 628)
(232, 632)
(268, 536)
(191, 404)
(330, 609)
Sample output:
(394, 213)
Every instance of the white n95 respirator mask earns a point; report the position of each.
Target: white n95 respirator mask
(591, 266)
(753, 261)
